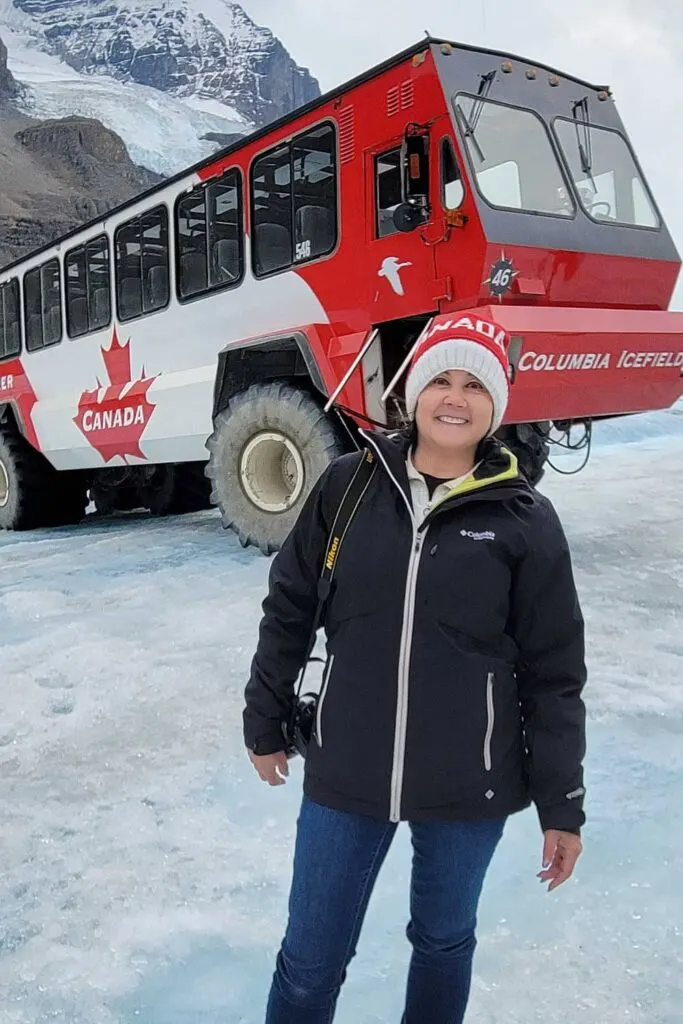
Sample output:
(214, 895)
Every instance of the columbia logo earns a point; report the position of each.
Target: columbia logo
(486, 535)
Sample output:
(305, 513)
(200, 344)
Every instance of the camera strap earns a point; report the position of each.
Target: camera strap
(360, 481)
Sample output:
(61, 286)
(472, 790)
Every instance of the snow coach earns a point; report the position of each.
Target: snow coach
(219, 339)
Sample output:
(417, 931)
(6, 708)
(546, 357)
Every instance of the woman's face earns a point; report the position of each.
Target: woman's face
(454, 411)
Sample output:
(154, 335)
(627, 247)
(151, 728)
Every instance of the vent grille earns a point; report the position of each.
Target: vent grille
(407, 94)
(347, 134)
(393, 101)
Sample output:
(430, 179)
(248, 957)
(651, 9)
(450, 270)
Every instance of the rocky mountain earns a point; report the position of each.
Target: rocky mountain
(207, 49)
(103, 97)
(8, 87)
(55, 174)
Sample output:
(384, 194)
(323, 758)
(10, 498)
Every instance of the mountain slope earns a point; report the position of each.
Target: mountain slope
(172, 81)
(56, 175)
(8, 87)
(208, 49)
(161, 132)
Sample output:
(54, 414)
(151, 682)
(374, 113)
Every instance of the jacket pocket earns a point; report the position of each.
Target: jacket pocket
(490, 719)
(321, 701)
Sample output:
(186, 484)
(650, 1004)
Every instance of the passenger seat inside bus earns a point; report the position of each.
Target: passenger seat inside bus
(130, 298)
(100, 307)
(192, 273)
(315, 224)
(53, 321)
(225, 260)
(78, 316)
(156, 288)
(13, 336)
(272, 246)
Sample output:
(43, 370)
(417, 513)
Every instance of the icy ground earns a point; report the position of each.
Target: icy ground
(143, 866)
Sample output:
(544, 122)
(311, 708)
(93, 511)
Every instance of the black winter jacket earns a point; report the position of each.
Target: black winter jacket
(455, 649)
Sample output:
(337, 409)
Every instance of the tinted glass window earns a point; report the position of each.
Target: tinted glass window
(142, 264)
(272, 211)
(315, 194)
(294, 201)
(210, 237)
(43, 306)
(512, 158)
(88, 289)
(10, 323)
(76, 278)
(388, 190)
(453, 191)
(602, 165)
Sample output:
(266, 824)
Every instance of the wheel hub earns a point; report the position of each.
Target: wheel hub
(4, 485)
(272, 471)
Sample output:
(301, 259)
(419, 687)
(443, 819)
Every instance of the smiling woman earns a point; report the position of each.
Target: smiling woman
(453, 413)
(451, 696)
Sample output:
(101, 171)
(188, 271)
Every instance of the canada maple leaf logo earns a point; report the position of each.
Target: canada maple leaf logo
(113, 418)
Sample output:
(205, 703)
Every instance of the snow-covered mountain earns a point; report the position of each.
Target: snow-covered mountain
(161, 132)
(169, 76)
(208, 49)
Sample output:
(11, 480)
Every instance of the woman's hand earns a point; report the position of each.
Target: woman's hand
(561, 850)
(272, 768)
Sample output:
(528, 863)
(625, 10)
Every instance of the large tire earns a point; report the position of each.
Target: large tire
(169, 489)
(268, 449)
(183, 488)
(32, 493)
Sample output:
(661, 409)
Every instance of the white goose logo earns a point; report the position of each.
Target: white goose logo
(391, 269)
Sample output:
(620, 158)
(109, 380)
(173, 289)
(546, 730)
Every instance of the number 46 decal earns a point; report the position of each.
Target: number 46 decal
(501, 276)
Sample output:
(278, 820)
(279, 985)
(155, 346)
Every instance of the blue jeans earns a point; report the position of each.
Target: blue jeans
(337, 859)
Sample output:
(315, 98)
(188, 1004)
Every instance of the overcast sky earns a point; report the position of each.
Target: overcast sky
(633, 46)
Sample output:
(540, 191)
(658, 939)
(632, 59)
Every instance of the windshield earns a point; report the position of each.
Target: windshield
(512, 157)
(605, 174)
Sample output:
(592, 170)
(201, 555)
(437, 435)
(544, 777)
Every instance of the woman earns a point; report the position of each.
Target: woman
(452, 692)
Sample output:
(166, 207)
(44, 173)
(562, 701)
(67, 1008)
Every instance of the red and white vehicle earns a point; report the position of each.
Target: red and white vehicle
(260, 306)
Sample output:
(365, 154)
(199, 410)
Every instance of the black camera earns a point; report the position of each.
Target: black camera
(298, 730)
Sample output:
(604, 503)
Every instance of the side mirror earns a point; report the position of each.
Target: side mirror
(416, 165)
(414, 209)
(408, 217)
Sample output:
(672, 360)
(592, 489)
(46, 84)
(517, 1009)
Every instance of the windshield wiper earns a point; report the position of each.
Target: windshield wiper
(585, 152)
(470, 125)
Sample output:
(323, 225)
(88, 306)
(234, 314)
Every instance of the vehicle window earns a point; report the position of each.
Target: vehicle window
(99, 283)
(88, 289)
(192, 244)
(210, 237)
(453, 191)
(388, 190)
(272, 211)
(294, 202)
(10, 322)
(142, 264)
(512, 158)
(315, 193)
(605, 174)
(43, 306)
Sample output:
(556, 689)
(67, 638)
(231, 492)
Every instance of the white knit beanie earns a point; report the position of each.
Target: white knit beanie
(478, 346)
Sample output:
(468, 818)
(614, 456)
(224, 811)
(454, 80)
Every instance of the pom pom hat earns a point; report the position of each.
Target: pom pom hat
(477, 346)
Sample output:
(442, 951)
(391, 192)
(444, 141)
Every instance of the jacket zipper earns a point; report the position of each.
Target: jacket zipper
(404, 678)
(401, 726)
(321, 701)
(491, 717)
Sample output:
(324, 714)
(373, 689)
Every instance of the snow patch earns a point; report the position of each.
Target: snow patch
(161, 132)
(145, 868)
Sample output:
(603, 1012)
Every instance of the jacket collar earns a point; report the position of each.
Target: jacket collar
(497, 467)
